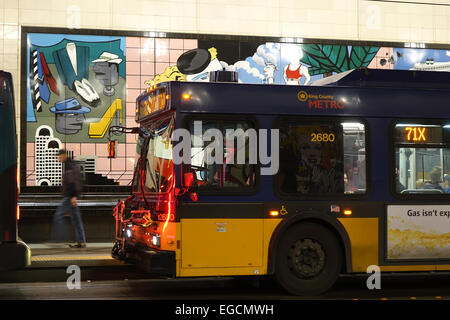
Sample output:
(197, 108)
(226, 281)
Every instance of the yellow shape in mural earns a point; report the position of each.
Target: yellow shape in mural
(170, 74)
(98, 129)
(173, 74)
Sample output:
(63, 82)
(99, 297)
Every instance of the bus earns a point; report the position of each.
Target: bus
(14, 254)
(350, 173)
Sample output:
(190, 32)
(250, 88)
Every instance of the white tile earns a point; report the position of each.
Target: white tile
(442, 35)
(11, 4)
(62, 5)
(35, 5)
(10, 62)
(10, 32)
(11, 46)
(11, 16)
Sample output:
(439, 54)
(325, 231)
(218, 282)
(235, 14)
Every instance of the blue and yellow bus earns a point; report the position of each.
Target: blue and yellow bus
(14, 253)
(360, 170)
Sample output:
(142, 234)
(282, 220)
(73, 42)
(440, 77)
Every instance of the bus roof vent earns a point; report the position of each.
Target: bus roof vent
(223, 76)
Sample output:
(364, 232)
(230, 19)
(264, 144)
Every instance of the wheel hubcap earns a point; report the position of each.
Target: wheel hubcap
(306, 258)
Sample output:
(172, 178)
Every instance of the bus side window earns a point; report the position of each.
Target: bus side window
(422, 158)
(322, 158)
(220, 154)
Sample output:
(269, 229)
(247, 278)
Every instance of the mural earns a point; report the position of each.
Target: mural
(272, 63)
(79, 85)
(76, 90)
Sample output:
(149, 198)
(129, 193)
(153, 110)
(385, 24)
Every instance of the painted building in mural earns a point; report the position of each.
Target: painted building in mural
(80, 85)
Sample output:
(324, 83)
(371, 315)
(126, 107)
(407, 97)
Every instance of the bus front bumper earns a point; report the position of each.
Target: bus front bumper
(152, 260)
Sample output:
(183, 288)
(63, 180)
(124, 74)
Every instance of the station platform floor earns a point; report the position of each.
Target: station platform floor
(47, 255)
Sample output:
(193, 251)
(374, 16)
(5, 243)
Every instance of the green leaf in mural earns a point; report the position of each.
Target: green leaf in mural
(335, 58)
(361, 56)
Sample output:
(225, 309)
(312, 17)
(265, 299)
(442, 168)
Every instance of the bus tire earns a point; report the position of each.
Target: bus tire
(309, 259)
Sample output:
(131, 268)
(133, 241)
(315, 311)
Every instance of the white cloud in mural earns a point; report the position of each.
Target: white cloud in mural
(267, 54)
(415, 56)
(243, 65)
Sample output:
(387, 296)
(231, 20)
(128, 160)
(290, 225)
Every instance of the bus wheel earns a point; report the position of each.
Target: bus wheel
(309, 259)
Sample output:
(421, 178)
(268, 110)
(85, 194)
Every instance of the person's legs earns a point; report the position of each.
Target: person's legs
(58, 219)
(77, 223)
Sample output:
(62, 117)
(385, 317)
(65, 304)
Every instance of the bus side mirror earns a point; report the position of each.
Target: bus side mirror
(112, 145)
(188, 184)
(188, 180)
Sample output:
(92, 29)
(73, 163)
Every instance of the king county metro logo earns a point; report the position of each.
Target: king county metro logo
(320, 101)
(302, 96)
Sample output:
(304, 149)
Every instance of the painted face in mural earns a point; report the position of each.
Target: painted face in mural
(69, 123)
(311, 152)
(108, 75)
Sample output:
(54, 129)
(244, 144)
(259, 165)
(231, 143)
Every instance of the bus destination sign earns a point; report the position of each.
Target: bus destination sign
(153, 101)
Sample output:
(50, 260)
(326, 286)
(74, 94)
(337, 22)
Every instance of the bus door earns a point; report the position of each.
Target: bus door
(222, 229)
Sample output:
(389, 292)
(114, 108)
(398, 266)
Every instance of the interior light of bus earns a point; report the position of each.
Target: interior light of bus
(348, 212)
(274, 213)
(156, 240)
(186, 96)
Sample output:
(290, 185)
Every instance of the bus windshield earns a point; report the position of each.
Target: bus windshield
(156, 162)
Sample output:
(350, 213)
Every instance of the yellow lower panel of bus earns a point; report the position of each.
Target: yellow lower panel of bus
(225, 246)
(363, 234)
(408, 268)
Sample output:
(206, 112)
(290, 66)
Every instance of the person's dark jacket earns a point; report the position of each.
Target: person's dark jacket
(433, 185)
(71, 179)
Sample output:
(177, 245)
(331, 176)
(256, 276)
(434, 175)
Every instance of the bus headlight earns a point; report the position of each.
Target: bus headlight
(155, 239)
(128, 233)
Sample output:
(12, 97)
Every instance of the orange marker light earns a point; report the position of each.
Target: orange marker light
(186, 96)
(17, 212)
(274, 213)
(347, 212)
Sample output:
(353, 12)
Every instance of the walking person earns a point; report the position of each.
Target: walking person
(71, 191)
